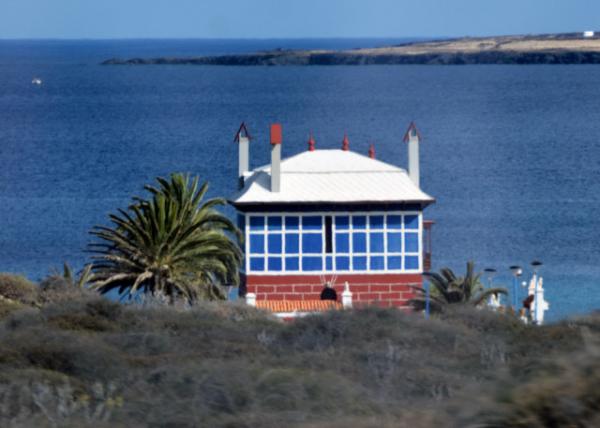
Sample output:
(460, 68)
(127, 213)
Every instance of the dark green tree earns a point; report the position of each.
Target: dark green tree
(172, 243)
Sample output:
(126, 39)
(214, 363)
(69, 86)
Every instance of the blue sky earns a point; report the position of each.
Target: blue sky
(291, 18)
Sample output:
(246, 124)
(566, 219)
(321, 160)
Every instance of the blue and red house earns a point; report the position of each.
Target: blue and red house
(332, 216)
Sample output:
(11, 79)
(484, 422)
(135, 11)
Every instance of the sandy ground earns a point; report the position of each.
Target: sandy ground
(514, 44)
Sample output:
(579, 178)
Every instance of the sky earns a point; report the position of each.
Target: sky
(106, 19)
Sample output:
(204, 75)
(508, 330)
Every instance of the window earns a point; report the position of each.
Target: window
(328, 235)
(361, 242)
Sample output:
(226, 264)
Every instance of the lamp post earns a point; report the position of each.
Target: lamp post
(490, 274)
(427, 301)
(517, 271)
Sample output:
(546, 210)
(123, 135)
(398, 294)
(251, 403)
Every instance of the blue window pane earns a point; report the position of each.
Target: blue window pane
(377, 263)
(376, 222)
(274, 223)
(292, 263)
(342, 263)
(359, 222)
(394, 242)
(312, 243)
(312, 263)
(376, 242)
(257, 223)
(359, 243)
(292, 223)
(342, 243)
(411, 242)
(274, 243)
(274, 263)
(342, 222)
(411, 262)
(394, 222)
(359, 263)
(257, 244)
(257, 263)
(292, 243)
(394, 262)
(328, 263)
(411, 222)
(311, 223)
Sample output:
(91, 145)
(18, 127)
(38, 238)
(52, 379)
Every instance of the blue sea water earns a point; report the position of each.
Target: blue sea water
(510, 152)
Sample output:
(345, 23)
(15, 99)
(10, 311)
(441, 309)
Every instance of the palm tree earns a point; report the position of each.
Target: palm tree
(171, 243)
(85, 276)
(450, 289)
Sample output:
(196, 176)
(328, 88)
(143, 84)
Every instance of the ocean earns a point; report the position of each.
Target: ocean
(511, 153)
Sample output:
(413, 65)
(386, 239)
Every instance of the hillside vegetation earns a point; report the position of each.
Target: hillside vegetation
(69, 358)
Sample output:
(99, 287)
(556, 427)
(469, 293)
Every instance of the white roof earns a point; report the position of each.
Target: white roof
(331, 176)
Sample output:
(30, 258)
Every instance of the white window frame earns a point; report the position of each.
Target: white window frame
(265, 232)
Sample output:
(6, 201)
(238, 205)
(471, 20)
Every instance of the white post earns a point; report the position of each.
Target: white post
(243, 140)
(251, 299)
(412, 138)
(243, 156)
(347, 297)
(276, 157)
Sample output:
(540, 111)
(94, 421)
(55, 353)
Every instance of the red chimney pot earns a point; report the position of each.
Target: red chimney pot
(345, 143)
(276, 134)
(372, 151)
(311, 144)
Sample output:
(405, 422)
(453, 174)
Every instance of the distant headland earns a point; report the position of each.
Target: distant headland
(566, 48)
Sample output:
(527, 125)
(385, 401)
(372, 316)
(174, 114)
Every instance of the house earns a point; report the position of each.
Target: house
(331, 216)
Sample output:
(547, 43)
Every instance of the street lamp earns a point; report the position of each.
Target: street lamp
(490, 274)
(517, 272)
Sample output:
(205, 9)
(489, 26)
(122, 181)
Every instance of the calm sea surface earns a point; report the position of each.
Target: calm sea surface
(511, 153)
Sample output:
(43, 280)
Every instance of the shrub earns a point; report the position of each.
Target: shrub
(229, 365)
(18, 288)
(8, 306)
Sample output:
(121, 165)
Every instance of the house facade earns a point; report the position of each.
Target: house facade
(332, 216)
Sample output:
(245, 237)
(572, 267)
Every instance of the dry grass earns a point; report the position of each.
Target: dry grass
(86, 361)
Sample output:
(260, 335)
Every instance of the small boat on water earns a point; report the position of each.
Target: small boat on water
(36, 81)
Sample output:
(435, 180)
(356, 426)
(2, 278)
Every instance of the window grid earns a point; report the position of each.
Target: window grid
(332, 265)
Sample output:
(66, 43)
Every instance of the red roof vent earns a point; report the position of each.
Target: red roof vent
(372, 151)
(311, 144)
(345, 143)
(276, 134)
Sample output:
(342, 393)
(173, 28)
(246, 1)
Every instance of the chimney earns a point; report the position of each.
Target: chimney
(311, 144)
(242, 137)
(345, 143)
(276, 139)
(412, 137)
(372, 151)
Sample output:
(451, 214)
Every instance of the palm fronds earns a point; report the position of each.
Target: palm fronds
(447, 288)
(171, 243)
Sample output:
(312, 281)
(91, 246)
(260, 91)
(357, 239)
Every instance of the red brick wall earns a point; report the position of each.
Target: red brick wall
(381, 289)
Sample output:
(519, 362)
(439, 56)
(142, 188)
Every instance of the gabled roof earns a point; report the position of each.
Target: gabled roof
(331, 176)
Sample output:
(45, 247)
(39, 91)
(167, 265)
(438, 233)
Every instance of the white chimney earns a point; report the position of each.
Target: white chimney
(412, 137)
(243, 139)
(276, 139)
